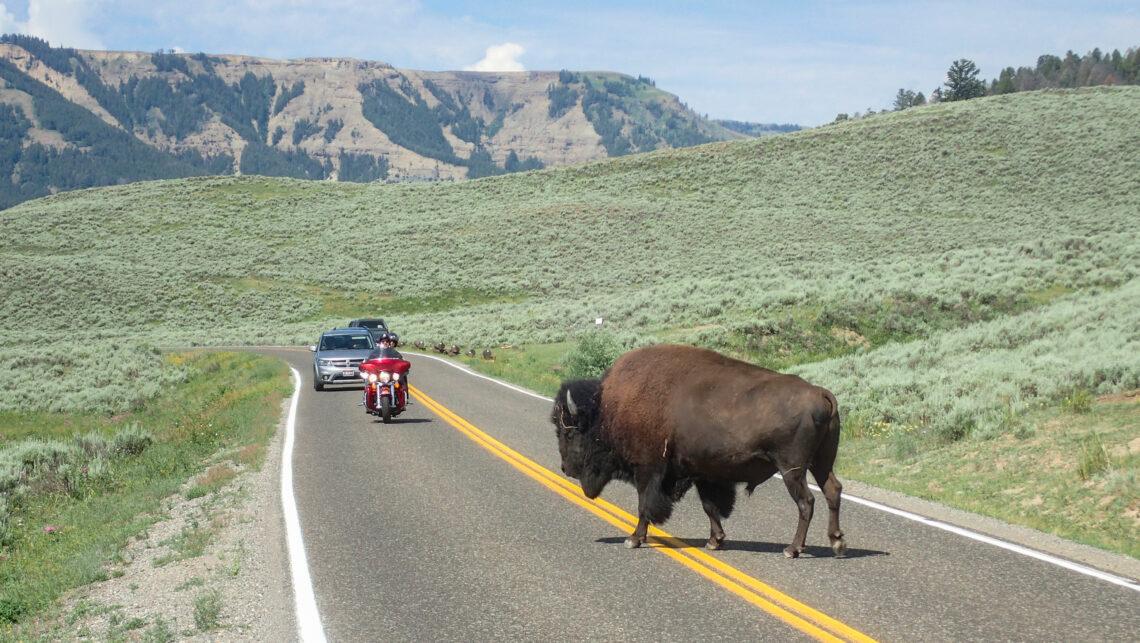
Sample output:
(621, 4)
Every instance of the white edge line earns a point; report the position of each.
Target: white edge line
(961, 531)
(467, 370)
(1018, 549)
(308, 618)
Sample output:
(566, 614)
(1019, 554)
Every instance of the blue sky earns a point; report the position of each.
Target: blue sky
(770, 62)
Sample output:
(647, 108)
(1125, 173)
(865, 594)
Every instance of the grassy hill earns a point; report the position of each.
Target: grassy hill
(951, 272)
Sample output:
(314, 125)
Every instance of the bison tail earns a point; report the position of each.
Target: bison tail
(829, 445)
(833, 426)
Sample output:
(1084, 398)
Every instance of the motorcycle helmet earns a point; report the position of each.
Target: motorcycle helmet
(394, 338)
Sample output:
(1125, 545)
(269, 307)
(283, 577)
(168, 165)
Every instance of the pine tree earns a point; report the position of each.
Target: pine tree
(962, 81)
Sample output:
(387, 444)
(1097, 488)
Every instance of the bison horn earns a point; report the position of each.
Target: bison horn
(570, 406)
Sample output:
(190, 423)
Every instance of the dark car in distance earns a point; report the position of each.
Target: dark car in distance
(375, 325)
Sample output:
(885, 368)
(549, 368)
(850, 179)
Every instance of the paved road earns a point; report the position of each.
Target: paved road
(461, 528)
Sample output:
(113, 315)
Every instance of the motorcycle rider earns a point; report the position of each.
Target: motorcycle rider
(386, 347)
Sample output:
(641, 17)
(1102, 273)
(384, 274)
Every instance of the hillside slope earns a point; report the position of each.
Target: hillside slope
(335, 118)
(841, 241)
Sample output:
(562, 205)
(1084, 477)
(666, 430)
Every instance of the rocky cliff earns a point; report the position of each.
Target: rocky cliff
(323, 114)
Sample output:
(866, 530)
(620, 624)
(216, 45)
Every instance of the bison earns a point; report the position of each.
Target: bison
(665, 418)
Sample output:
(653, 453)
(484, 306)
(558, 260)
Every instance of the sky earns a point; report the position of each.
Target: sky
(764, 62)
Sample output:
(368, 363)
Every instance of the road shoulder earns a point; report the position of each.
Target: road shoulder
(1111, 562)
(236, 588)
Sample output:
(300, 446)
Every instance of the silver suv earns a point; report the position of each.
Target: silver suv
(338, 354)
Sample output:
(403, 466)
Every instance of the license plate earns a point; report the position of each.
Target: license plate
(349, 373)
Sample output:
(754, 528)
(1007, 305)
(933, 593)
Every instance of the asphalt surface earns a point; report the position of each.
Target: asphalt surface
(429, 529)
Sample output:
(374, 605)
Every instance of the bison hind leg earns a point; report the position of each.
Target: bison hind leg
(795, 479)
(832, 490)
(718, 500)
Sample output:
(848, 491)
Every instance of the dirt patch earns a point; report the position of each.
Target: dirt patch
(1126, 397)
(850, 337)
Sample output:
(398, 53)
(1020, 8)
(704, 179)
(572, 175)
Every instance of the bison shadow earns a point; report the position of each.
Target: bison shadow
(746, 545)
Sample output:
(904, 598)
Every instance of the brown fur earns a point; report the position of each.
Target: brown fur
(672, 416)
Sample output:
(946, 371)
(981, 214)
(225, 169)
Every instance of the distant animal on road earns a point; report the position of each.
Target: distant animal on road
(666, 417)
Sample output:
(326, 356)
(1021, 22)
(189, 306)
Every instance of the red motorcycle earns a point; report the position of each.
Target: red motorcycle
(385, 386)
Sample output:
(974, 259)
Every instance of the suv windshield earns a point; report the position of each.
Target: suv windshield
(345, 342)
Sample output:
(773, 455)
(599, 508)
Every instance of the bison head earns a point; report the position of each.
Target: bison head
(586, 455)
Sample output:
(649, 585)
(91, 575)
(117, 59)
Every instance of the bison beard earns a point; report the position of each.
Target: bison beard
(659, 421)
(588, 457)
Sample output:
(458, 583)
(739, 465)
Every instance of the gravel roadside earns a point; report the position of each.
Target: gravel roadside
(214, 568)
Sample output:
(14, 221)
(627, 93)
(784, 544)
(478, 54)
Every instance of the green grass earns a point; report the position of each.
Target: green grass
(207, 611)
(229, 402)
(1073, 475)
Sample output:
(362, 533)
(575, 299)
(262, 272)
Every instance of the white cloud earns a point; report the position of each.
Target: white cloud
(8, 22)
(502, 57)
(400, 32)
(63, 23)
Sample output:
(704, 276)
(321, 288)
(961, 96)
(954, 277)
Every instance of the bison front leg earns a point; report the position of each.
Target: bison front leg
(654, 505)
(717, 500)
(640, 534)
(796, 481)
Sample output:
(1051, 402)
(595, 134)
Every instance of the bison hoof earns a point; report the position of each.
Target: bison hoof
(632, 543)
(839, 547)
(791, 552)
(714, 544)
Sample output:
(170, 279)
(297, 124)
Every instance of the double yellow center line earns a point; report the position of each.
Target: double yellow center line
(780, 605)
